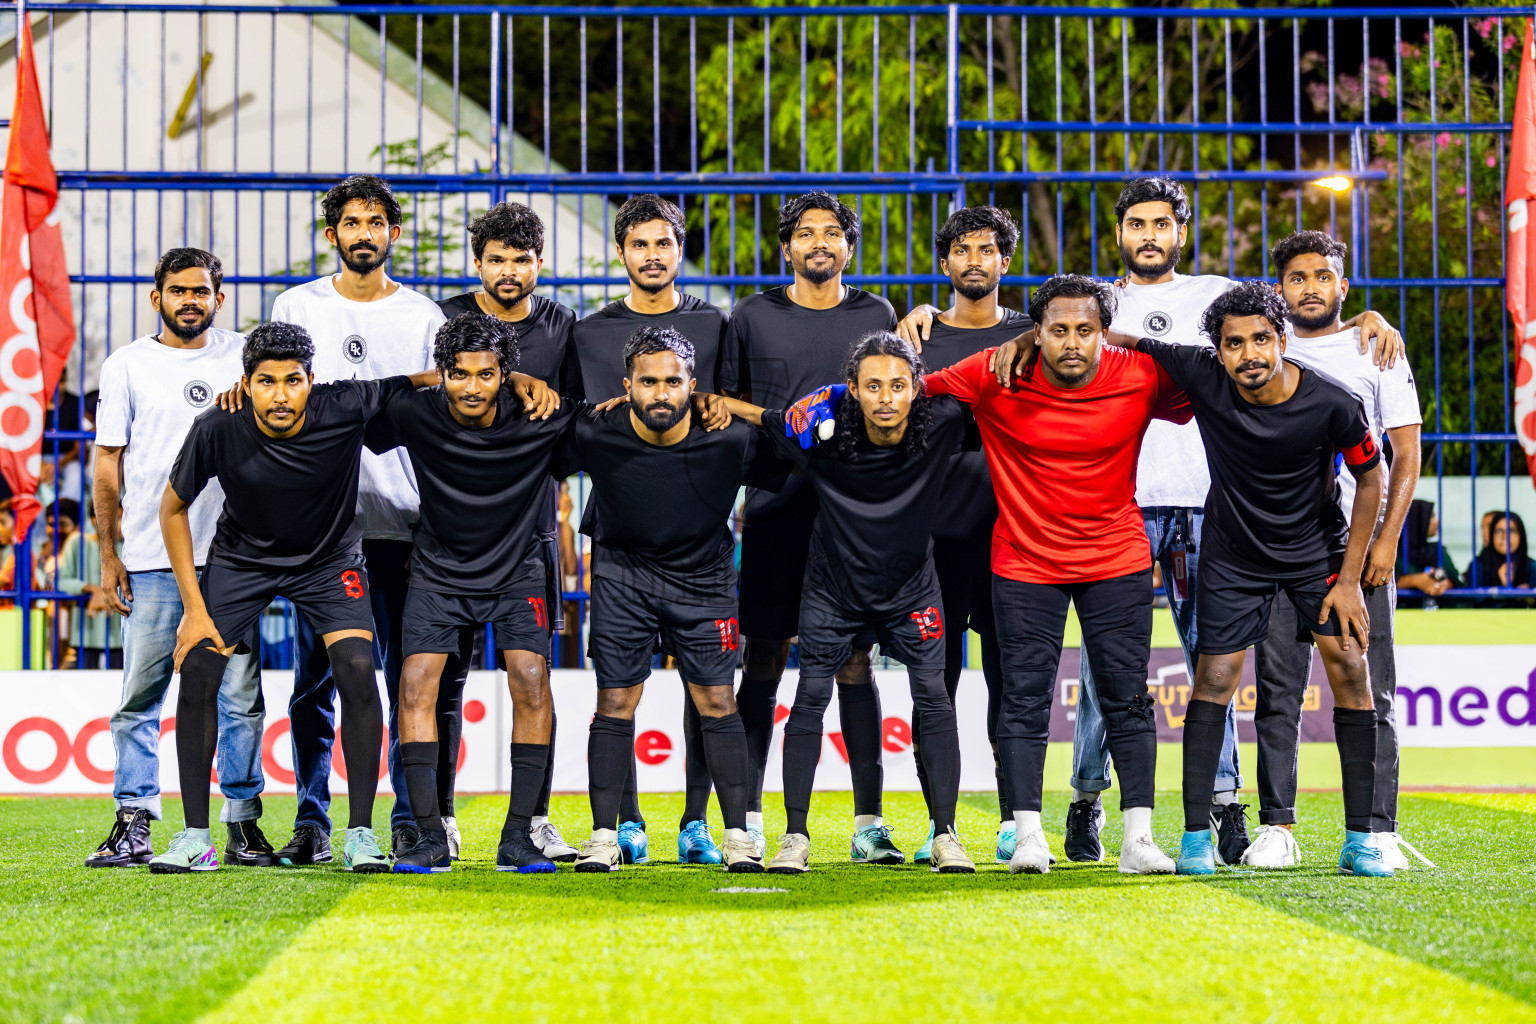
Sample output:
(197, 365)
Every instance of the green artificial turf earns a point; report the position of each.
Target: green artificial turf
(661, 942)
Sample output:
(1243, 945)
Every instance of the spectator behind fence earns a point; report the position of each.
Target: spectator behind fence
(101, 637)
(1418, 562)
(1504, 560)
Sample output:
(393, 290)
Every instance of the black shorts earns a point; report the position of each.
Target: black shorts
(433, 621)
(630, 626)
(1233, 608)
(332, 595)
(964, 568)
(774, 548)
(829, 633)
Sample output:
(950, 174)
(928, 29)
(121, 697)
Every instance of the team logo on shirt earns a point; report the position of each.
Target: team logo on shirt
(355, 348)
(197, 393)
(1157, 324)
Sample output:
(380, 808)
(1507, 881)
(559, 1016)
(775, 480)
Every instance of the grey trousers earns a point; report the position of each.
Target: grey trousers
(1283, 666)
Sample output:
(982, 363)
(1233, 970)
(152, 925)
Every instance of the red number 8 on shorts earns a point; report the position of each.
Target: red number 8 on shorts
(353, 584)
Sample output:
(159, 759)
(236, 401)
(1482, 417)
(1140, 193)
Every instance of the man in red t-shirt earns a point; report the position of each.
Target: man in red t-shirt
(1062, 443)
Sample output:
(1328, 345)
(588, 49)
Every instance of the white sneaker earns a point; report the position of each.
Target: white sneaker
(552, 844)
(794, 856)
(1273, 847)
(1031, 856)
(1392, 845)
(1141, 856)
(740, 852)
(451, 826)
(949, 856)
(600, 853)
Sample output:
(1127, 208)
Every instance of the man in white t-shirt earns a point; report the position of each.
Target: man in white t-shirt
(151, 391)
(1310, 268)
(365, 326)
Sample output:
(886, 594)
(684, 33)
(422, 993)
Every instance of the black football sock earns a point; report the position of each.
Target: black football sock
(695, 763)
(917, 758)
(858, 709)
(1355, 733)
(542, 808)
(610, 759)
(362, 723)
(723, 742)
(756, 702)
(1205, 723)
(941, 746)
(450, 731)
(530, 763)
(420, 761)
(197, 729)
(629, 803)
(802, 751)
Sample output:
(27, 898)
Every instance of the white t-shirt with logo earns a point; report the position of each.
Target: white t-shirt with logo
(1390, 397)
(1172, 470)
(150, 394)
(369, 341)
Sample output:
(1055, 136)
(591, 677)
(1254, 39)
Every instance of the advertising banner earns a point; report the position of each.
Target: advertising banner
(55, 726)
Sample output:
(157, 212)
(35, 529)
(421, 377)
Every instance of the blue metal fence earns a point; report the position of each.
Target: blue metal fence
(218, 125)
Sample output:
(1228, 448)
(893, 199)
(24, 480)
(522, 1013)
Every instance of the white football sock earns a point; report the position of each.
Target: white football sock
(1223, 798)
(1138, 823)
(1027, 823)
(866, 820)
(540, 819)
(755, 818)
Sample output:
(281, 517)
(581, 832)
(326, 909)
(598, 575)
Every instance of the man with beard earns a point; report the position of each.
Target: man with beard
(508, 245)
(974, 247)
(1310, 268)
(365, 326)
(663, 568)
(648, 232)
(151, 391)
(1272, 432)
(1151, 228)
(1062, 445)
(783, 343)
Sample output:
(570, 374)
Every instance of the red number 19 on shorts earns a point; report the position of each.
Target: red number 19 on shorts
(929, 623)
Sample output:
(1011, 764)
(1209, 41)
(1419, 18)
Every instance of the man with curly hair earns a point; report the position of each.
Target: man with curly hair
(507, 242)
(1272, 430)
(869, 578)
(483, 462)
(782, 343)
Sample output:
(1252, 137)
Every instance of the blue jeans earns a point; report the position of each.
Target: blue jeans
(312, 708)
(1166, 527)
(149, 646)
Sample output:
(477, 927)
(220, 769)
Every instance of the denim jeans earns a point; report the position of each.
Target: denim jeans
(149, 646)
(1166, 527)
(312, 708)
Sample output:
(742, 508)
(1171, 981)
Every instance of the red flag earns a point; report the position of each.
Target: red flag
(1520, 271)
(37, 323)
